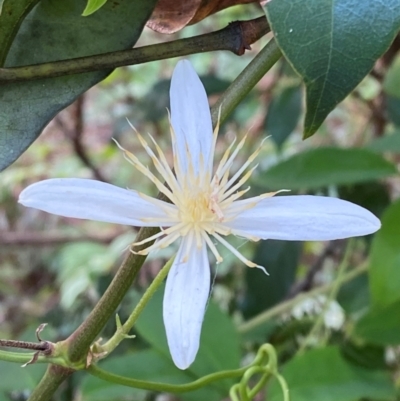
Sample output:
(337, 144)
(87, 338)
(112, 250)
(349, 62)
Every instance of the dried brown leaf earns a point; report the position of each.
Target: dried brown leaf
(170, 16)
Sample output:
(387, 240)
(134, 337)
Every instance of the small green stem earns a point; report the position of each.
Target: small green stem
(122, 331)
(246, 80)
(284, 387)
(17, 357)
(288, 305)
(332, 295)
(169, 388)
(23, 358)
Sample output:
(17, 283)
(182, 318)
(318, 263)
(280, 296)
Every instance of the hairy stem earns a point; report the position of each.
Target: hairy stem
(236, 37)
(50, 382)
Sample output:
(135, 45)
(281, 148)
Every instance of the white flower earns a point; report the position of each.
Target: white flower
(204, 207)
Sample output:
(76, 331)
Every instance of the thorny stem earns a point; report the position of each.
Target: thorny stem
(236, 37)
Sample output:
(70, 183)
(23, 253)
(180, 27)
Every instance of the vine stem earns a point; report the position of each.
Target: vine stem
(165, 387)
(246, 80)
(50, 382)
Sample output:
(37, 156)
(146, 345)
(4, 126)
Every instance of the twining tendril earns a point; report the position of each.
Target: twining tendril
(264, 367)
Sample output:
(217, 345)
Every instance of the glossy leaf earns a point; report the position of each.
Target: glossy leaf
(354, 295)
(26, 107)
(12, 13)
(332, 44)
(393, 109)
(321, 167)
(14, 378)
(280, 258)
(386, 143)
(381, 326)
(322, 374)
(384, 268)
(368, 356)
(374, 196)
(391, 83)
(283, 114)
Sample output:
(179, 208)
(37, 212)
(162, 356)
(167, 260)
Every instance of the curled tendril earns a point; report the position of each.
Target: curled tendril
(264, 366)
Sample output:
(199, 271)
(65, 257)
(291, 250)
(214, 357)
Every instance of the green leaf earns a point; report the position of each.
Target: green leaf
(219, 346)
(332, 44)
(321, 167)
(393, 109)
(384, 269)
(374, 196)
(386, 143)
(323, 375)
(12, 13)
(55, 30)
(78, 266)
(381, 326)
(368, 356)
(92, 6)
(391, 83)
(280, 258)
(283, 114)
(16, 378)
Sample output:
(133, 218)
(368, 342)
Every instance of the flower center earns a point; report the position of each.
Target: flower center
(194, 208)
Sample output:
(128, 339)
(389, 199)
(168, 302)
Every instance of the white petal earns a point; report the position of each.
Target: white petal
(185, 299)
(304, 218)
(92, 200)
(190, 117)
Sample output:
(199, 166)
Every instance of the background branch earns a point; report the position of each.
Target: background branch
(50, 238)
(75, 134)
(333, 248)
